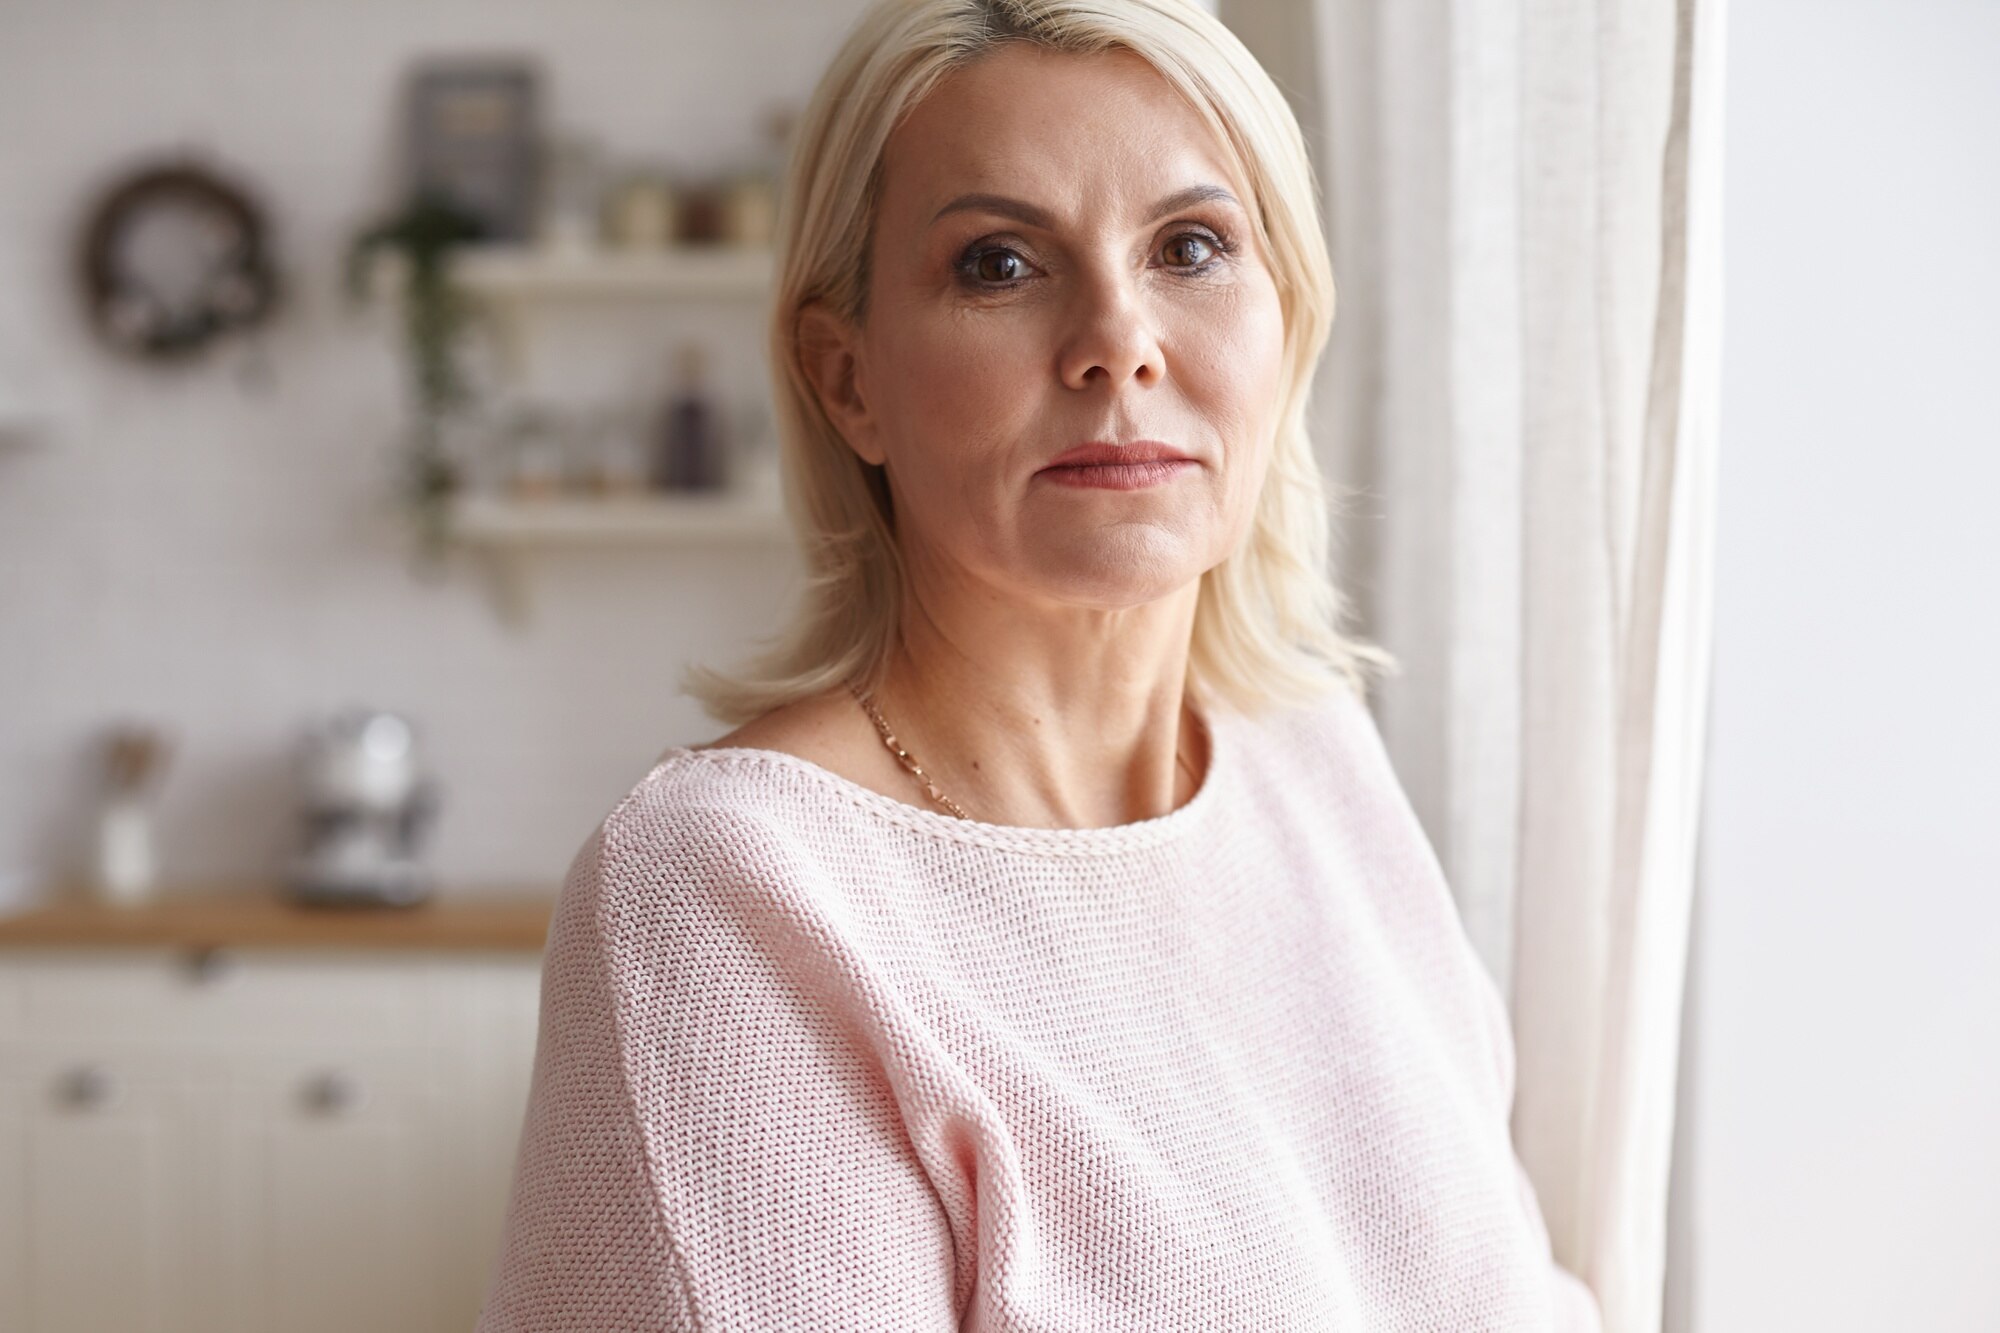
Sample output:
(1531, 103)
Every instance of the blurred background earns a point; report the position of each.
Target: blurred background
(338, 573)
(222, 539)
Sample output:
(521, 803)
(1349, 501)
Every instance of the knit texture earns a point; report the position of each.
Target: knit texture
(813, 1058)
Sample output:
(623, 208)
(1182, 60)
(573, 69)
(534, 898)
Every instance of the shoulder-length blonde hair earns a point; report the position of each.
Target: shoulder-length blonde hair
(1267, 626)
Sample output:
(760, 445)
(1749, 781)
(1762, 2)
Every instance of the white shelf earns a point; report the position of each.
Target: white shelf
(503, 532)
(502, 521)
(517, 273)
(513, 283)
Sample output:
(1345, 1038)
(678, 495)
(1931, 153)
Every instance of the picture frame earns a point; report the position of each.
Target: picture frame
(474, 139)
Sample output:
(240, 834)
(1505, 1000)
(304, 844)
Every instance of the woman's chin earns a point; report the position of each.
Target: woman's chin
(1111, 584)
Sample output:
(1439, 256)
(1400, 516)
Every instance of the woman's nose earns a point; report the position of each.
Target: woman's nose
(1109, 333)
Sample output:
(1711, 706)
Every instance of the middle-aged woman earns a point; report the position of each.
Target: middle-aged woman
(1052, 946)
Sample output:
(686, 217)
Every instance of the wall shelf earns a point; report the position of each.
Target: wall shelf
(501, 521)
(502, 530)
(512, 274)
(510, 283)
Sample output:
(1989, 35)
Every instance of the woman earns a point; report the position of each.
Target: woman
(1052, 946)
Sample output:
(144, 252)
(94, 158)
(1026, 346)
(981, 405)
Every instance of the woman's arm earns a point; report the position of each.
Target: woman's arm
(1576, 1307)
(584, 1243)
(1575, 1303)
(707, 1144)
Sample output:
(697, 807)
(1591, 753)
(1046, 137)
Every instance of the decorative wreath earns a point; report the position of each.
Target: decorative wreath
(173, 258)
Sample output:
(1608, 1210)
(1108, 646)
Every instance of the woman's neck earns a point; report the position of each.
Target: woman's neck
(1089, 746)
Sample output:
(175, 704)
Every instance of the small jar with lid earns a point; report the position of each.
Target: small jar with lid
(640, 212)
(750, 211)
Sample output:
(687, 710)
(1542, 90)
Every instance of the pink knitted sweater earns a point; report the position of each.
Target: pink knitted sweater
(812, 1058)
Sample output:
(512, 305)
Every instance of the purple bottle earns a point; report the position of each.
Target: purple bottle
(688, 456)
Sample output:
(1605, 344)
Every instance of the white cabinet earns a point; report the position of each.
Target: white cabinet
(99, 1163)
(275, 1139)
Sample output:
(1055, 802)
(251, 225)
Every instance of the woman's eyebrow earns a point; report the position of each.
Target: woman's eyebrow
(1036, 216)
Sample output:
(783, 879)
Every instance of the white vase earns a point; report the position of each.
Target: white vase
(126, 868)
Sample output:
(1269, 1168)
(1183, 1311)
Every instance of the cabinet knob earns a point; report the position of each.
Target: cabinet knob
(86, 1087)
(333, 1090)
(212, 964)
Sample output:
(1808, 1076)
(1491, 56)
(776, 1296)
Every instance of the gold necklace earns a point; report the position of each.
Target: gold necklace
(908, 761)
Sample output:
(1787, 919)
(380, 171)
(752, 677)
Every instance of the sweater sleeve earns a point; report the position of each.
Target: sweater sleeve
(1575, 1305)
(584, 1245)
(709, 1143)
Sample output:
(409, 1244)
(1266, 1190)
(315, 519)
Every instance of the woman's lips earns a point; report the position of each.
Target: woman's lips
(1119, 476)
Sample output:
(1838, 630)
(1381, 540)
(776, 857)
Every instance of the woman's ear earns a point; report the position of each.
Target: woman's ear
(826, 353)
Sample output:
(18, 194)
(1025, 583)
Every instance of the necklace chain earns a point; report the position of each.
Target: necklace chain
(908, 761)
(903, 756)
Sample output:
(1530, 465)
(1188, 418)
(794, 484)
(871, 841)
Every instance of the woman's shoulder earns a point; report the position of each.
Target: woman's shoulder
(826, 731)
(699, 808)
(702, 812)
(1326, 734)
(817, 727)
(693, 840)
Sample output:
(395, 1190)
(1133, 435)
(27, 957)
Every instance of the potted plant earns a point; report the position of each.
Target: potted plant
(435, 316)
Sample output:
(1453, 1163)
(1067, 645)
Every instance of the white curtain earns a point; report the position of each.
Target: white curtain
(1522, 202)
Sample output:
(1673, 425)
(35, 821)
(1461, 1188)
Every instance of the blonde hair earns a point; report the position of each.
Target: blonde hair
(1267, 626)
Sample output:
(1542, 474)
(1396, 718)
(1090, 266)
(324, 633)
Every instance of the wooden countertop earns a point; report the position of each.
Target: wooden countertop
(261, 918)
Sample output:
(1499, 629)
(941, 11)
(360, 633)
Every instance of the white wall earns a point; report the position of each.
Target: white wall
(210, 557)
(1847, 1065)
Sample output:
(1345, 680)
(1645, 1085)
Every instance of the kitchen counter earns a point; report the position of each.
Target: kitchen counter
(260, 918)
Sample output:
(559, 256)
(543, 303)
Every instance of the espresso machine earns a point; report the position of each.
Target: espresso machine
(365, 805)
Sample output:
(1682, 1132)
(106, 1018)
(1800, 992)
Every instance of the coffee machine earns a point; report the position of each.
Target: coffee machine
(366, 805)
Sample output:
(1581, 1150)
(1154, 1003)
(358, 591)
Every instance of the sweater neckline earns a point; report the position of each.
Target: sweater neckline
(1150, 832)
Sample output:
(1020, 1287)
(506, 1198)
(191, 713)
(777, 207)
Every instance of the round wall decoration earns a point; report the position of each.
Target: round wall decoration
(173, 258)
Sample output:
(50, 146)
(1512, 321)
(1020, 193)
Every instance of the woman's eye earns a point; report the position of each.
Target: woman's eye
(1200, 240)
(999, 266)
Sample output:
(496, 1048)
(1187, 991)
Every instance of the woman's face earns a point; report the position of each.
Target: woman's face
(1036, 284)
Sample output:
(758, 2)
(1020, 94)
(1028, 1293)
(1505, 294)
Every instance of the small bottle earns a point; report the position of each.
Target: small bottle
(569, 221)
(534, 453)
(621, 450)
(689, 451)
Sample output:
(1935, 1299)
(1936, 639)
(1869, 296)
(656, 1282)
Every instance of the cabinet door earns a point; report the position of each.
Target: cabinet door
(488, 1012)
(336, 1213)
(95, 1178)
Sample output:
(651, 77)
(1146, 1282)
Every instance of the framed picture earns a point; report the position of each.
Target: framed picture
(474, 138)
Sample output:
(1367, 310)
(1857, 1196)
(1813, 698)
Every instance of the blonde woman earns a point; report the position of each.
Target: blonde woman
(1050, 946)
